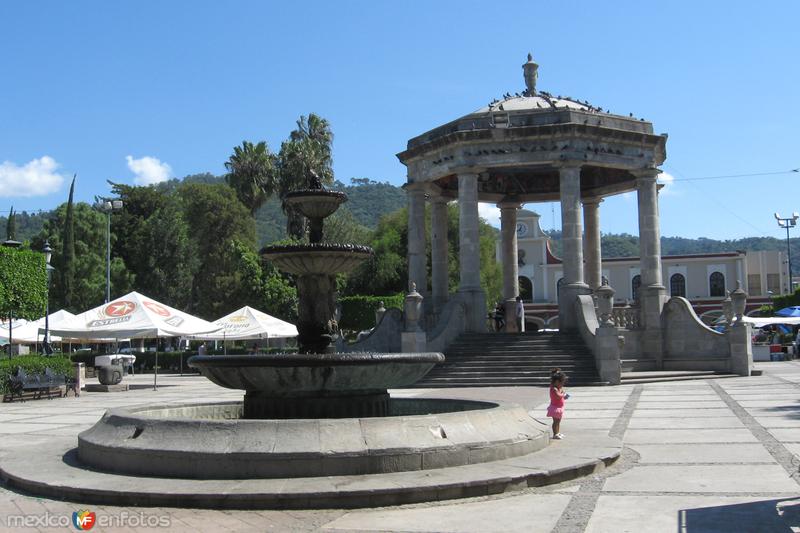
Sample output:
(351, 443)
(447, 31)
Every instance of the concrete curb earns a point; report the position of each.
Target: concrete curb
(53, 471)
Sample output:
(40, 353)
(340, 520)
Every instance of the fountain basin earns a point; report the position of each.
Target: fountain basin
(209, 441)
(315, 203)
(337, 385)
(317, 258)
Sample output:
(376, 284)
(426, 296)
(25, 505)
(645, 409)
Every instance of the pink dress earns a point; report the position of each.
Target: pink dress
(556, 407)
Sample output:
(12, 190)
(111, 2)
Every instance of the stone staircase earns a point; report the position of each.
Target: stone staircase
(509, 359)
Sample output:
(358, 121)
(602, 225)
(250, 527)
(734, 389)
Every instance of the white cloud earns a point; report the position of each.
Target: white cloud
(149, 170)
(668, 181)
(35, 178)
(491, 213)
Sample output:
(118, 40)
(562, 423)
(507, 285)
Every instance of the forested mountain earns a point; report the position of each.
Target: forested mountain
(370, 200)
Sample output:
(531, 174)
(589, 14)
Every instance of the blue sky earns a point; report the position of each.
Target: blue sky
(148, 90)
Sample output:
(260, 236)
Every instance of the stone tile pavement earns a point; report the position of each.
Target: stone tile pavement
(710, 455)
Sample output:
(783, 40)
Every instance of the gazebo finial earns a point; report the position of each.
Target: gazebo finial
(530, 70)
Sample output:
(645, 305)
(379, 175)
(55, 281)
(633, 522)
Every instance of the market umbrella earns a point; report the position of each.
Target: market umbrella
(133, 316)
(789, 311)
(249, 324)
(29, 332)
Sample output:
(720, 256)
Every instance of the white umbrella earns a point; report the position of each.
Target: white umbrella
(761, 321)
(29, 332)
(249, 324)
(132, 316)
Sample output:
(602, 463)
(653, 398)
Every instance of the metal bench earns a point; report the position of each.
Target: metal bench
(21, 382)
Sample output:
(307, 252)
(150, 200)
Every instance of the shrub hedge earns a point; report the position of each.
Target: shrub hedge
(32, 364)
(358, 312)
(787, 300)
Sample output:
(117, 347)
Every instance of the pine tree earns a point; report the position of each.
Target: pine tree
(68, 251)
(11, 226)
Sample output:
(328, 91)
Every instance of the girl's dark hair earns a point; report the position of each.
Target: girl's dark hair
(557, 375)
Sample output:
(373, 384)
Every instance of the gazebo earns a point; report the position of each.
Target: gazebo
(531, 147)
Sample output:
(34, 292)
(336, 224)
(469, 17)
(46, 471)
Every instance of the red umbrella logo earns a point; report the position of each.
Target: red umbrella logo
(157, 309)
(120, 308)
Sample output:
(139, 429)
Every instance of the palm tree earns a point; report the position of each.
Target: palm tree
(252, 172)
(308, 149)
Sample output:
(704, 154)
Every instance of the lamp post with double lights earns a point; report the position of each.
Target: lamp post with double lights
(788, 223)
(108, 206)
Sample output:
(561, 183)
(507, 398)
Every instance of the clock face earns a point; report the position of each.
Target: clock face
(522, 229)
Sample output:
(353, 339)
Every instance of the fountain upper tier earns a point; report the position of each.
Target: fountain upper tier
(316, 204)
(317, 258)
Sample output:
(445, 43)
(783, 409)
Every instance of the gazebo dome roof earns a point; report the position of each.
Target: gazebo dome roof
(542, 100)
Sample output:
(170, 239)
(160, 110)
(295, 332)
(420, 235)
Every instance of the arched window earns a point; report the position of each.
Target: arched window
(525, 289)
(558, 286)
(677, 285)
(716, 284)
(636, 284)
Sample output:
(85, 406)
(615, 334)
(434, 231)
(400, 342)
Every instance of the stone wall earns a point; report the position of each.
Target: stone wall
(688, 343)
(384, 338)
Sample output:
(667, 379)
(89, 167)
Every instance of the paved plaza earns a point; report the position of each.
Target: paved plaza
(708, 455)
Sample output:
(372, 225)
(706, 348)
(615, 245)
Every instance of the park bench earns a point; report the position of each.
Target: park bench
(21, 382)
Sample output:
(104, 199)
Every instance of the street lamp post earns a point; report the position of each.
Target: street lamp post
(788, 223)
(48, 254)
(107, 206)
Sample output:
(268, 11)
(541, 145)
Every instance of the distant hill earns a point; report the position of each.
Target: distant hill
(28, 224)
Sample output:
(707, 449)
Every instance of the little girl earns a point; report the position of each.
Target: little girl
(557, 396)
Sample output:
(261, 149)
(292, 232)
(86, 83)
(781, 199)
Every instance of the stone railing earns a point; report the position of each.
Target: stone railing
(626, 317)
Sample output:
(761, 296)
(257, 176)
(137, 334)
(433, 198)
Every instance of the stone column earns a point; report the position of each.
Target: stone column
(439, 252)
(469, 252)
(572, 243)
(652, 292)
(417, 257)
(593, 269)
(509, 248)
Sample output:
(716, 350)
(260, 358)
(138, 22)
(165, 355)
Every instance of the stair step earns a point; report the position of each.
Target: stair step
(500, 359)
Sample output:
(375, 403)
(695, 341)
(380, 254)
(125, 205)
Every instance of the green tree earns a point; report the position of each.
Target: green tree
(166, 272)
(88, 262)
(387, 271)
(215, 219)
(252, 173)
(308, 150)
(261, 286)
(67, 269)
(23, 283)
(11, 226)
(343, 227)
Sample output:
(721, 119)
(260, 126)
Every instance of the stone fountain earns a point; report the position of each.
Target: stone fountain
(316, 383)
(316, 428)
